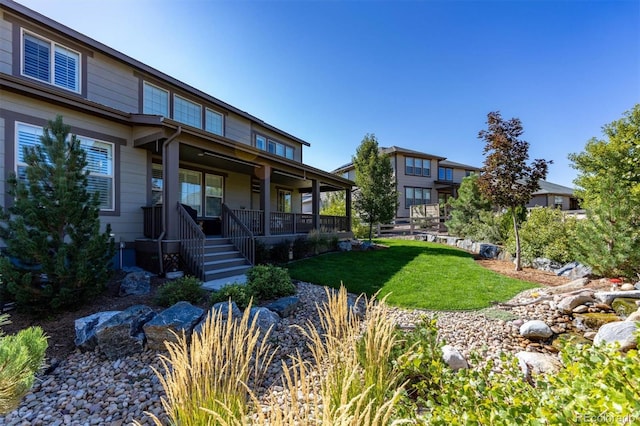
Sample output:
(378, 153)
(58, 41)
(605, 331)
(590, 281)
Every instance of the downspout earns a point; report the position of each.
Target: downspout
(164, 196)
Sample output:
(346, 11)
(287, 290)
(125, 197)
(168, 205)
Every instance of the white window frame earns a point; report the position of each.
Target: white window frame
(207, 195)
(152, 111)
(263, 142)
(187, 113)
(208, 128)
(111, 167)
(52, 65)
(424, 191)
(274, 147)
(191, 195)
(425, 166)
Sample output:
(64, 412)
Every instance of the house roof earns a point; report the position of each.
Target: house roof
(141, 67)
(553, 188)
(392, 150)
(458, 165)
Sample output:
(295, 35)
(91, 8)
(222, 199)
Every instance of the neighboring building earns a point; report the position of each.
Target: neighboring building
(429, 179)
(155, 145)
(554, 195)
(421, 178)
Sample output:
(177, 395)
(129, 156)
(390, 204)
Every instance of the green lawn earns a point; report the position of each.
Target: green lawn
(417, 274)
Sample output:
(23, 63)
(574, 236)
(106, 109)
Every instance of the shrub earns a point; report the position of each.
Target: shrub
(545, 233)
(263, 254)
(185, 288)
(279, 253)
(268, 282)
(21, 356)
(239, 293)
(301, 248)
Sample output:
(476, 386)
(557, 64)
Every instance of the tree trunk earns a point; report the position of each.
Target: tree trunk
(370, 230)
(517, 234)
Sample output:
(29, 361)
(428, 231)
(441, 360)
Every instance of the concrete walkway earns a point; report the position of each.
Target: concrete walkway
(221, 282)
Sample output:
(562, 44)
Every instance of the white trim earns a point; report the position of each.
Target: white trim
(52, 70)
(144, 82)
(187, 101)
(207, 109)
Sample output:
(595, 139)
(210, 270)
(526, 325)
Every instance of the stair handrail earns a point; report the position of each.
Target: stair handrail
(192, 241)
(239, 234)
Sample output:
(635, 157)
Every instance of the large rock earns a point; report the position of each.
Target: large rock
(135, 283)
(567, 304)
(265, 318)
(537, 363)
(571, 285)
(453, 358)
(574, 270)
(224, 309)
(535, 330)
(284, 306)
(627, 287)
(635, 316)
(122, 335)
(607, 297)
(178, 319)
(544, 264)
(344, 246)
(86, 329)
(489, 251)
(621, 332)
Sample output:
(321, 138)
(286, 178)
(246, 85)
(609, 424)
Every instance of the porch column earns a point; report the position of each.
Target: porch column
(265, 197)
(171, 189)
(347, 205)
(315, 203)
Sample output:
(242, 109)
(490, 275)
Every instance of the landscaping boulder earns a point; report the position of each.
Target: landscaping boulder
(567, 304)
(574, 270)
(489, 251)
(453, 358)
(122, 335)
(344, 246)
(284, 306)
(537, 363)
(607, 297)
(635, 316)
(621, 332)
(544, 264)
(637, 285)
(86, 329)
(624, 306)
(576, 284)
(266, 318)
(627, 287)
(179, 318)
(224, 310)
(135, 283)
(535, 330)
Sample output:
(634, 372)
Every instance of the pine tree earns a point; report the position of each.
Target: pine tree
(376, 199)
(608, 183)
(472, 215)
(53, 227)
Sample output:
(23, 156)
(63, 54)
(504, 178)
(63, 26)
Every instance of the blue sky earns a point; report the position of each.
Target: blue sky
(418, 74)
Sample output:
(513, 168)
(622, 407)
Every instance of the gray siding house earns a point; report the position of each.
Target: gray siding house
(178, 170)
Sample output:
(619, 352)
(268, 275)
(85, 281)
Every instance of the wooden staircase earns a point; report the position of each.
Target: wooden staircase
(222, 259)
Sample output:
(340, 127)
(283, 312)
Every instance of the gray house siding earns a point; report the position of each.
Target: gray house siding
(403, 181)
(6, 49)
(238, 129)
(111, 83)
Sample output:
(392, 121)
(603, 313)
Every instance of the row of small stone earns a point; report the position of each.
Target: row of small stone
(87, 389)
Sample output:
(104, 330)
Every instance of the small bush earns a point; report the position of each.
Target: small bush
(267, 282)
(263, 254)
(301, 248)
(239, 293)
(186, 288)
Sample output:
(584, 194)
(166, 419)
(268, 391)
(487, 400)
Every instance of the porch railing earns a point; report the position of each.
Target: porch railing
(239, 233)
(192, 241)
(334, 223)
(252, 219)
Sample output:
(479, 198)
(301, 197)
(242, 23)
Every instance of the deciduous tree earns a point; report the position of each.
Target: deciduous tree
(506, 178)
(376, 199)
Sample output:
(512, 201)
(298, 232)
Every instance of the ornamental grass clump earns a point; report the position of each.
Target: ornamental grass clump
(207, 382)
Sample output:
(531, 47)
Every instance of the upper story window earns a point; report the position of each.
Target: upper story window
(50, 62)
(100, 162)
(468, 173)
(214, 122)
(187, 112)
(155, 100)
(274, 147)
(417, 167)
(445, 173)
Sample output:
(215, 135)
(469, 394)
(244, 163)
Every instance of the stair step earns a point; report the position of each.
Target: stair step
(224, 263)
(219, 248)
(226, 272)
(221, 255)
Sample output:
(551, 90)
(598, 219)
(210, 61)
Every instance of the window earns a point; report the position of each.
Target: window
(416, 196)
(445, 173)
(558, 201)
(191, 189)
(284, 201)
(417, 167)
(468, 173)
(274, 147)
(100, 162)
(214, 122)
(213, 195)
(187, 112)
(50, 62)
(155, 100)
